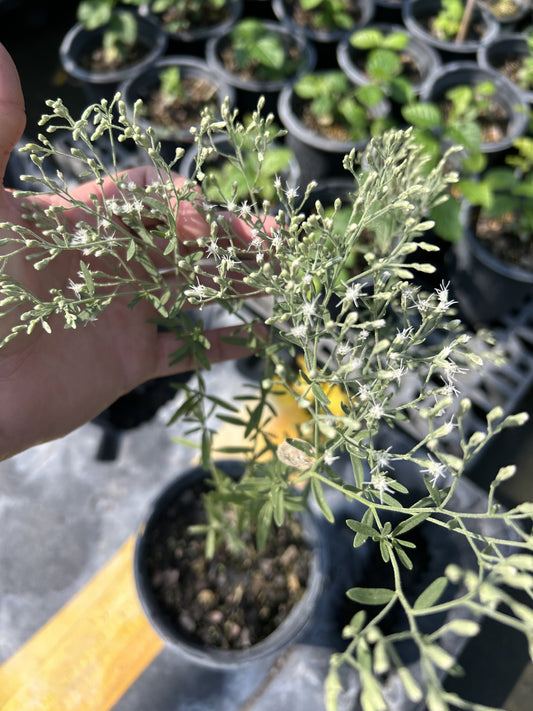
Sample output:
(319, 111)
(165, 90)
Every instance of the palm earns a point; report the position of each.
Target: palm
(50, 384)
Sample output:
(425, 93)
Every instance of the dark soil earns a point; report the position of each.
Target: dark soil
(234, 600)
(498, 238)
(310, 18)
(95, 60)
(494, 122)
(334, 131)
(475, 31)
(510, 67)
(182, 112)
(254, 71)
(191, 20)
(503, 9)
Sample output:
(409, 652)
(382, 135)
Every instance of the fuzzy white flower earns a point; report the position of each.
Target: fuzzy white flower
(245, 210)
(75, 287)
(380, 483)
(382, 460)
(434, 469)
(81, 236)
(352, 294)
(291, 193)
(329, 458)
(299, 331)
(444, 301)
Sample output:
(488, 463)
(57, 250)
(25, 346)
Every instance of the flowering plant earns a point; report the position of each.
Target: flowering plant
(345, 350)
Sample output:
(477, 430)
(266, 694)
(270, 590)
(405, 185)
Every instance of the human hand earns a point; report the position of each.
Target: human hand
(52, 383)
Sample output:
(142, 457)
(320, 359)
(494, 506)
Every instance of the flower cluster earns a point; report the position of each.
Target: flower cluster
(357, 352)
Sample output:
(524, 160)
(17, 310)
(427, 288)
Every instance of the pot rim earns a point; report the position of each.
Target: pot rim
(77, 32)
(467, 47)
(306, 49)
(194, 66)
(421, 48)
(297, 130)
(514, 100)
(321, 36)
(292, 627)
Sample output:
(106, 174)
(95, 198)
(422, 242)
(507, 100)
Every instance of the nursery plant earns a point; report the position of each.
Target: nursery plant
(385, 61)
(524, 74)
(502, 197)
(333, 106)
(358, 342)
(120, 25)
(180, 15)
(257, 51)
(327, 14)
(467, 116)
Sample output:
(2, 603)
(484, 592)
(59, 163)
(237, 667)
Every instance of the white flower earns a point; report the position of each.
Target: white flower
(245, 210)
(376, 411)
(344, 349)
(365, 392)
(380, 483)
(308, 310)
(443, 296)
(299, 331)
(213, 248)
(75, 287)
(291, 193)
(197, 291)
(434, 469)
(81, 236)
(113, 205)
(381, 460)
(352, 294)
(256, 242)
(277, 241)
(402, 336)
(329, 458)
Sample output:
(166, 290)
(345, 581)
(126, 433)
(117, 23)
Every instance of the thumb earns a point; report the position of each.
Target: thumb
(12, 113)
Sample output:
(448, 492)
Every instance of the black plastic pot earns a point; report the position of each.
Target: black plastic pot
(487, 288)
(426, 59)
(192, 41)
(504, 47)
(140, 86)
(416, 14)
(247, 90)
(327, 39)
(318, 156)
(507, 95)
(291, 628)
(78, 42)
(512, 19)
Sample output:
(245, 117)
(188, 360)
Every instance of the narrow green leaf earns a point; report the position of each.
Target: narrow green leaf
(410, 523)
(371, 596)
(431, 594)
(404, 558)
(318, 493)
